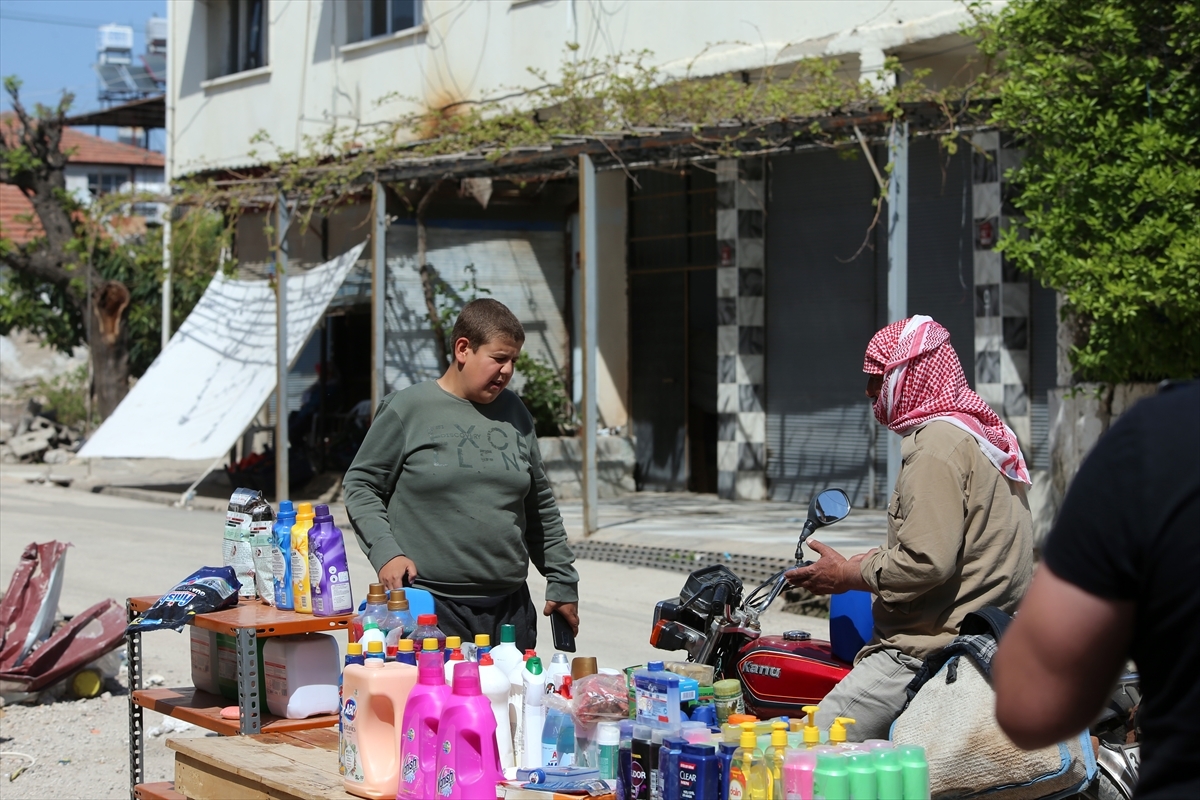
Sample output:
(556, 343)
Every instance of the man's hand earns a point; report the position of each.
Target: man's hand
(569, 612)
(831, 573)
(396, 572)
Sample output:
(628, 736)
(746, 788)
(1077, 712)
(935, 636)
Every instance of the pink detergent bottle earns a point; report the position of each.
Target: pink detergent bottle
(419, 732)
(468, 760)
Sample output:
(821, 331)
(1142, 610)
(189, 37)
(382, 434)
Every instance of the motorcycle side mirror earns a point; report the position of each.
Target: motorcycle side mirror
(828, 507)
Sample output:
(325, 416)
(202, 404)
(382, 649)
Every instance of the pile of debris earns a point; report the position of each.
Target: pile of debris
(38, 438)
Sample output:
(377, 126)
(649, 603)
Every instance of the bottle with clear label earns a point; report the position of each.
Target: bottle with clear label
(748, 777)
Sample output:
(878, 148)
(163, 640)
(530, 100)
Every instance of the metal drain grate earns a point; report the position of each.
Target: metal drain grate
(753, 570)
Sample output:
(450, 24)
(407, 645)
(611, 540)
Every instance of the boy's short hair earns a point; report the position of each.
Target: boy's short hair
(485, 320)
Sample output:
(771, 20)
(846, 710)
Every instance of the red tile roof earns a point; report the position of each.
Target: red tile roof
(87, 149)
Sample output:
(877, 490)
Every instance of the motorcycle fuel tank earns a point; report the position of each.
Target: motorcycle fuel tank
(781, 674)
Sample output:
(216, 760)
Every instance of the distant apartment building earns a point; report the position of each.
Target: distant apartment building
(736, 296)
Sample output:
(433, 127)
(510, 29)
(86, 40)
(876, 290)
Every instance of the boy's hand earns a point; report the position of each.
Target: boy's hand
(569, 612)
(396, 572)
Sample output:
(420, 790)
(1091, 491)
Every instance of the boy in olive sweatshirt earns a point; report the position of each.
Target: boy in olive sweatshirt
(448, 491)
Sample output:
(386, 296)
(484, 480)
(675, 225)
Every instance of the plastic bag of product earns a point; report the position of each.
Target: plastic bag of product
(262, 519)
(238, 552)
(207, 589)
(599, 698)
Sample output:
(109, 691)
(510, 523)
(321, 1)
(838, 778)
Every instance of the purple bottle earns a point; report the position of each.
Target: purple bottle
(468, 759)
(327, 568)
(419, 731)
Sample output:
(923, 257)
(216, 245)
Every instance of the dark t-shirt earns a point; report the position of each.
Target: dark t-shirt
(1129, 529)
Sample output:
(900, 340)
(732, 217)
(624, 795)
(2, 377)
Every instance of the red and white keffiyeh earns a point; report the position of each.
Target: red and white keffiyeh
(923, 380)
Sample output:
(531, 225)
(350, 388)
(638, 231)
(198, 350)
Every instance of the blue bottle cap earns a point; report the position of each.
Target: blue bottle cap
(286, 507)
(655, 666)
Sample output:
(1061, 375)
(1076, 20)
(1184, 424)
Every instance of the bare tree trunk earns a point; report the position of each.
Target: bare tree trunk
(429, 281)
(109, 339)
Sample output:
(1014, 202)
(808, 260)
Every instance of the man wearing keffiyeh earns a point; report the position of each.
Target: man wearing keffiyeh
(960, 535)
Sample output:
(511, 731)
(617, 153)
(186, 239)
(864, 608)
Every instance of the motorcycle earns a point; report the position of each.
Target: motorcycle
(716, 623)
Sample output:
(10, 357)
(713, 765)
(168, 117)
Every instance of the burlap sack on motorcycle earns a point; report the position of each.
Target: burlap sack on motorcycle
(953, 717)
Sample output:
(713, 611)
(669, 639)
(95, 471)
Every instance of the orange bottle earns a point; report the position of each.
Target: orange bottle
(373, 698)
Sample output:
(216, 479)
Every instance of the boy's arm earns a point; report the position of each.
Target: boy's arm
(545, 536)
(369, 483)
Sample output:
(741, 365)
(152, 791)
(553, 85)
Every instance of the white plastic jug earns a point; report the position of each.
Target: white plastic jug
(204, 660)
(373, 700)
(495, 687)
(301, 673)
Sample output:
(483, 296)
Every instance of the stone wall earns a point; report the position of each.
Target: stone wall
(563, 456)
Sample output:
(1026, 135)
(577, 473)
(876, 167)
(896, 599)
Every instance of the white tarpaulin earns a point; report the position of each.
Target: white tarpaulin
(219, 368)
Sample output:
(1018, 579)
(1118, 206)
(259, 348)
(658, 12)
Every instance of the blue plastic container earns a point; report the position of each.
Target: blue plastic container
(699, 773)
(658, 696)
(668, 767)
(850, 623)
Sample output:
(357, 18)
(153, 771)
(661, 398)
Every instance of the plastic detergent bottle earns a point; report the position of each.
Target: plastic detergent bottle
(354, 655)
(281, 555)
(608, 741)
(798, 766)
(774, 758)
(889, 774)
(398, 623)
(667, 785)
(302, 674)
(419, 731)
(427, 628)
(914, 769)
(861, 770)
(658, 695)
(533, 713)
(483, 646)
(552, 738)
(812, 734)
(328, 571)
(831, 779)
(494, 685)
(506, 656)
(558, 669)
(725, 751)
(452, 643)
(405, 653)
(837, 731)
(371, 633)
(748, 777)
(456, 657)
(374, 651)
(374, 697)
(375, 609)
(699, 772)
(301, 586)
(468, 765)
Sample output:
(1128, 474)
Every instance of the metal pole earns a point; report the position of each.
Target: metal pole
(282, 219)
(588, 234)
(169, 164)
(897, 233)
(378, 290)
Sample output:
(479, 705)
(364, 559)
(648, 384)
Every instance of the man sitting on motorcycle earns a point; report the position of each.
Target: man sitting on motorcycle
(960, 535)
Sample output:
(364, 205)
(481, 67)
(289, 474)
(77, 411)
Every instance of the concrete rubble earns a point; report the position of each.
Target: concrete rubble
(38, 439)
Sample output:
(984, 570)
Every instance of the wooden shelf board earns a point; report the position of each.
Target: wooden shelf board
(203, 709)
(163, 790)
(265, 619)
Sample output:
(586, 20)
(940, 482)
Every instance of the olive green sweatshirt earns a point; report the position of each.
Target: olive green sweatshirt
(460, 489)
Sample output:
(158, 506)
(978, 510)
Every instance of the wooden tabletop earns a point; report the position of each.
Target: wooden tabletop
(266, 620)
(300, 765)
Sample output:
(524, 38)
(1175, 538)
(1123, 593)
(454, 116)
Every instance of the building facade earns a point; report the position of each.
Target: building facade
(736, 297)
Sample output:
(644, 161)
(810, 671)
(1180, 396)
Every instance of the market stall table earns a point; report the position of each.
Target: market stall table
(244, 622)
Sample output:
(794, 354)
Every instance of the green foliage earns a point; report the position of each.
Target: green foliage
(136, 261)
(1105, 97)
(65, 396)
(545, 395)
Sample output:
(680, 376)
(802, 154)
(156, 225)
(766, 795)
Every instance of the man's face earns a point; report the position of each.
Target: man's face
(874, 384)
(485, 372)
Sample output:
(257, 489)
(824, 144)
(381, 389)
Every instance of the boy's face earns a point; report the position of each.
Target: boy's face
(484, 373)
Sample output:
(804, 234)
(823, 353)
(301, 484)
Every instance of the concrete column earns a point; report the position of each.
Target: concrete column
(897, 233)
(741, 330)
(378, 291)
(588, 267)
(282, 221)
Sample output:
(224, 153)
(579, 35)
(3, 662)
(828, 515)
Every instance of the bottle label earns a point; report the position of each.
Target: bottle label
(445, 782)
(549, 755)
(277, 682)
(350, 761)
(737, 784)
(408, 771)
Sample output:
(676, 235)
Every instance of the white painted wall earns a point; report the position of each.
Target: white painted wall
(470, 50)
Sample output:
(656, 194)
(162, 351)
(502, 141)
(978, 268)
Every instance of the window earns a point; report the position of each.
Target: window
(237, 36)
(368, 19)
(102, 183)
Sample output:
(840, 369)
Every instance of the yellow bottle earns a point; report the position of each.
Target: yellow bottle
(774, 759)
(301, 586)
(748, 777)
(837, 731)
(812, 734)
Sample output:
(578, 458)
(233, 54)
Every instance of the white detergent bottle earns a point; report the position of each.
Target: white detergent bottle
(495, 685)
(559, 668)
(534, 713)
(301, 675)
(511, 662)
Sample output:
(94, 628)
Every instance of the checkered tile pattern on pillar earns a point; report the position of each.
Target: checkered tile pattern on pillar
(1001, 293)
(741, 331)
